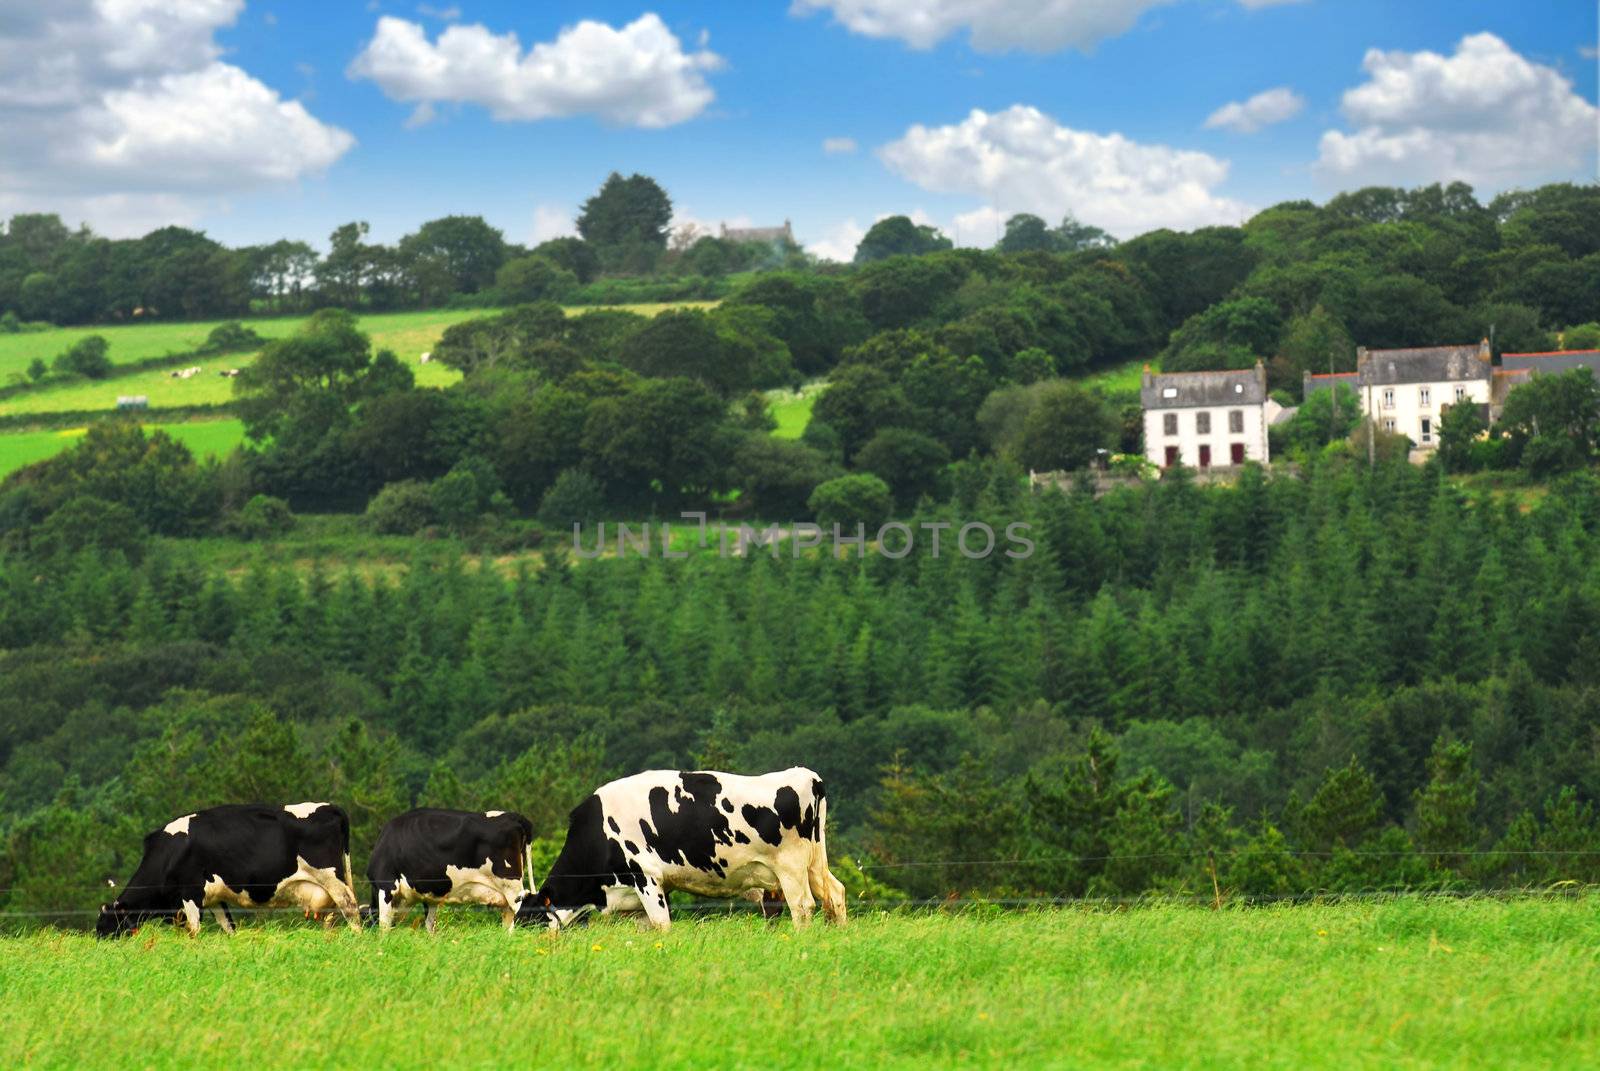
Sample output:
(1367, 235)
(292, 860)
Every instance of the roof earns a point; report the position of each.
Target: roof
(1182, 390)
(1551, 363)
(1315, 381)
(1425, 364)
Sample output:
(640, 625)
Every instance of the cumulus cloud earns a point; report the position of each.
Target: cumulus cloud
(122, 112)
(639, 75)
(839, 243)
(839, 146)
(1022, 160)
(1262, 110)
(992, 25)
(552, 221)
(1485, 115)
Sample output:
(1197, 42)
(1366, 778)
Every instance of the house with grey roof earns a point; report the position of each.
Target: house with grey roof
(1205, 419)
(1406, 391)
(1518, 368)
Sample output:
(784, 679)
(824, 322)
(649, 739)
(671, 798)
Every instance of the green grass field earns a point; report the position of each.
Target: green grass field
(408, 334)
(1402, 984)
(206, 438)
(792, 408)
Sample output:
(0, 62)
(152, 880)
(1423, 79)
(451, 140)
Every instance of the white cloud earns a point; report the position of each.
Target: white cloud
(992, 25)
(1021, 160)
(839, 146)
(838, 244)
(979, 229)
(1589, 52)
(638, 75)
(445, 14)
(122, 113)
(552, 221)
(1262, 110)
(1485, 115)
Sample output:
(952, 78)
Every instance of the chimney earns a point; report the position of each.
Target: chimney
(1261, 377)
(1148, 380)
(1484, 352)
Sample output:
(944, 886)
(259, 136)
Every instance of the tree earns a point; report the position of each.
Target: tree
(908, 461)
(626, 222)
(898, 236)
(1324, 417)
(1553, 421)
(1313, 342)
(86, 357)
(1237, 333)
(534, 278)
(661, 442)
(1071, 236)
(304, 385)
(465, 248)
(1025, 233)
(1581, 337)
(1446, 805)
(778, 475)
(1065, 428)
(574, 498)
(1459, 429)
(847, 501)
(573, 254)
(859, 400)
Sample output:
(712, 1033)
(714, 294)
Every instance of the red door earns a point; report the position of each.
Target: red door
(1172, 456)
(1205, 456)
(1236, 453)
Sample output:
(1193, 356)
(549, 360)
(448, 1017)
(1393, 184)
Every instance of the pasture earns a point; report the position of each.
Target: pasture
(408, 334)
(792, 408)
(1402, 983)
(206, 438)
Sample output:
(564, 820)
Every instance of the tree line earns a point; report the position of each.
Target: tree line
(1337, 680)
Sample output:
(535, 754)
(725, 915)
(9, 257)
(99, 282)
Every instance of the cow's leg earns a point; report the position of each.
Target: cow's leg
(191, 915)
(385, 899)
(429, 920)
(797, 891)
(225, 920)
(654, 899)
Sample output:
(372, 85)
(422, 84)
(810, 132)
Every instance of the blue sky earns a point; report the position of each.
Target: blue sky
(263, 118)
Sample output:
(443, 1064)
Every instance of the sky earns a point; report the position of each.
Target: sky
(260, 119)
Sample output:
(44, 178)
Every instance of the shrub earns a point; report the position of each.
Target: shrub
(85, 523)
(575, 498)
(851, 500)
(231, 337)
(260, 518)
(88, 357)
(401, 508)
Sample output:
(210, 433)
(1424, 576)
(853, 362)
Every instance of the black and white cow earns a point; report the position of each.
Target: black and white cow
(243, 854)
(435, 856)
(711, 834)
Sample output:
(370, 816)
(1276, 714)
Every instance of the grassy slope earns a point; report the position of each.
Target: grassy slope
(792, 408)
(206, 438)
(409, 334)
(1406, 984)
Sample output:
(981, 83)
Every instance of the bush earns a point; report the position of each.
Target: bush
(260, 518)
(533, 278)
(85, 523)
(851, 500)
(401, 508)
(575, 498)
(231, 337)
(88, 357)
(465, 493)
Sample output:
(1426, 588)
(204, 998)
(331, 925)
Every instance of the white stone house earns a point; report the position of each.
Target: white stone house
(1206, 419)
(1407, 391)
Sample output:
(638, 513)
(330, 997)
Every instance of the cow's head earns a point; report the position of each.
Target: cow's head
(536, 909)
(116, 920)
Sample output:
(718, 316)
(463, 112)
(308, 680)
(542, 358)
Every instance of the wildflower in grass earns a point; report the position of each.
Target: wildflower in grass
(595, 948)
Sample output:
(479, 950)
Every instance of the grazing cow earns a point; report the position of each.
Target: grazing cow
(434, 857)
(712, 834)
(244, 854)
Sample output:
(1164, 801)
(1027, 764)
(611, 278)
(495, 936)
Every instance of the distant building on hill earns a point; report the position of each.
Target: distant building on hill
(1518, 368)
(784, 233)
(1204, 419)
(1406, 391)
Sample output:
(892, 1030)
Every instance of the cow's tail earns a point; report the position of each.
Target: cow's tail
(528, 880)
(828, 889)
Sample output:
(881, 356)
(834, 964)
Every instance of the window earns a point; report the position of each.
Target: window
(1169, 392)
(1169, 424)
(1424, 397)
(1388, 397)
(1461, 393)
(1388, 425)
(1238, 388)
(1427, 430)
(1236, 421)
(1202, 423)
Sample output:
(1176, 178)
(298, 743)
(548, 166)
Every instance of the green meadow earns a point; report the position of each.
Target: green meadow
(1397, 984)
(206, 438)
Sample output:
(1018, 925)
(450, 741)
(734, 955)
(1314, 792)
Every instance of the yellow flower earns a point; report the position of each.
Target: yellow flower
(594, 948)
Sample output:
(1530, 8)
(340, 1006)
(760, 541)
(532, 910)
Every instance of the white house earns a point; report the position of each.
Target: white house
(1202, 419)
(1406, 391)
